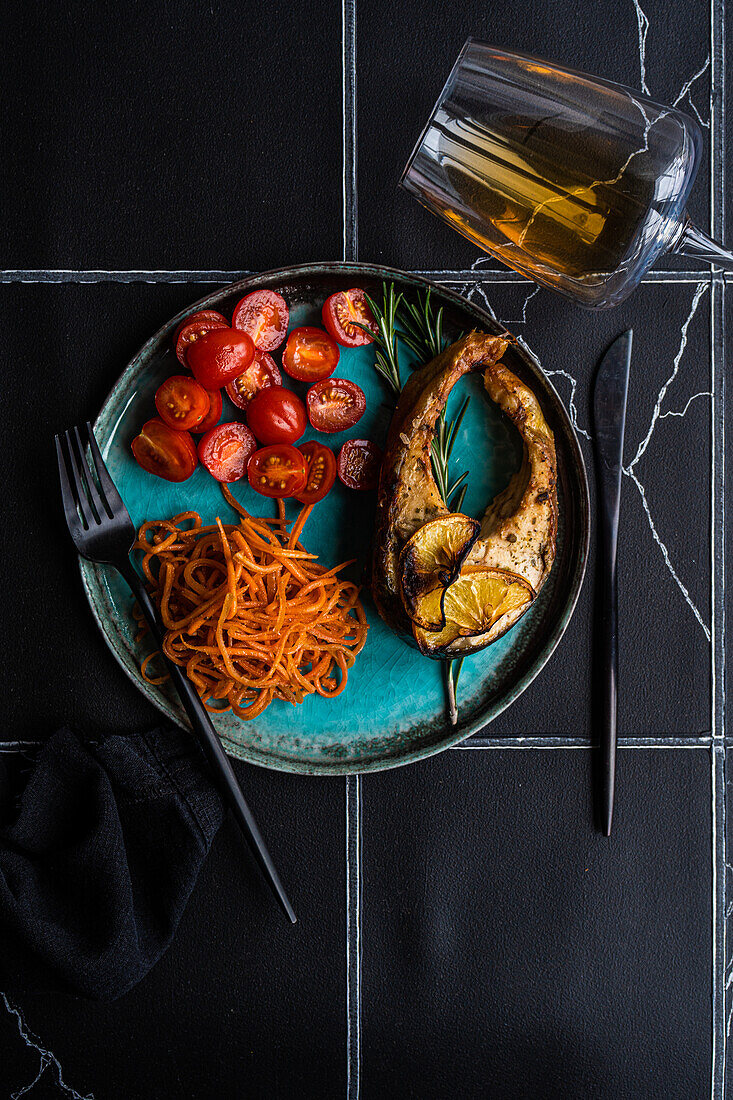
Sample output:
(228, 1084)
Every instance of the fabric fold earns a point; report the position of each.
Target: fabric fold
(100, 853)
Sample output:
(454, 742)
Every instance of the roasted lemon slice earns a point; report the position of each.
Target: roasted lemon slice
(430, 561)
(477, 603)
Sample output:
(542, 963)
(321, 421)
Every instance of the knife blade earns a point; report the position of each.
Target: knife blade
(609, 422)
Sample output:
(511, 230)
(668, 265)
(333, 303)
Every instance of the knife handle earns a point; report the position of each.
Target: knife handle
(607, 665)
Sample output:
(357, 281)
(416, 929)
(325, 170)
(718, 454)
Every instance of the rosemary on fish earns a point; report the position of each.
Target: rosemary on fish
(452, 492)
(421, 329)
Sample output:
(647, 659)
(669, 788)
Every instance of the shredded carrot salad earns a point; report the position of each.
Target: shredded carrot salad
(248, 613)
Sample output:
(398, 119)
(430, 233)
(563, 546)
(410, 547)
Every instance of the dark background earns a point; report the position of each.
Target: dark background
(463, 932)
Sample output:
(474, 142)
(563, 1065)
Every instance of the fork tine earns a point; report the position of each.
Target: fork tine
(68, 494)
(84, 477)
(110, 497)
(77, 485)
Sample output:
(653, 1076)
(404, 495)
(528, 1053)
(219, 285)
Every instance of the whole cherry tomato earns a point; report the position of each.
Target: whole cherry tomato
(262, 372)
(342, 314)
(226, 449)
(181, 402)
(164, 451)
(193, 330)
(358, 464)
(264, 316)
(278, 471)
(212, 417)
(321, 471)
(277, 415)
(335, 404)
(218, 356)
(310, 354)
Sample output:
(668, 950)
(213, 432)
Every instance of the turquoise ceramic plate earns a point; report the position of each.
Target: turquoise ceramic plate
(393, 709)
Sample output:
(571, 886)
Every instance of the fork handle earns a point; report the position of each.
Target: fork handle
(208, 738)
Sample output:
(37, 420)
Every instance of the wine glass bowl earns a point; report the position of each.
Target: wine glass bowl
(578, 183)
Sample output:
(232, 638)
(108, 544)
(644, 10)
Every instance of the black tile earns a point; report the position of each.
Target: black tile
(664, 650)
(197, 135)
(243, 1004)
(82, 337)
(520, 954)
(599, 38)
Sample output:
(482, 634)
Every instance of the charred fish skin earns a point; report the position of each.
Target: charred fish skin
(408, 496)
(519, 528)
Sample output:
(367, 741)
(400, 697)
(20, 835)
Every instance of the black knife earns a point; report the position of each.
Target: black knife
(609, 420)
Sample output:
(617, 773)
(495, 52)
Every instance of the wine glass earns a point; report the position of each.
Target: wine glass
(576, 182)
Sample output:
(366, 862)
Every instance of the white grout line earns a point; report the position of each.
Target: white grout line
(353, 783)
(482, 275)
(353, 936)
(540, 741)
(348, 78)
(98, 275)
(717, 533)
(718, 891)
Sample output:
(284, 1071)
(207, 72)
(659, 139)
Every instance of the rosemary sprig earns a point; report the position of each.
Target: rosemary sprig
(421, 329)
(385, 339)
(443, 443)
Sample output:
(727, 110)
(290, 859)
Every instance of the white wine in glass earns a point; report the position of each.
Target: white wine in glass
(575, 182)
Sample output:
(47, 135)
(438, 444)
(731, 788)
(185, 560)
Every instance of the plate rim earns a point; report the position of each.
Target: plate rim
(341, 267)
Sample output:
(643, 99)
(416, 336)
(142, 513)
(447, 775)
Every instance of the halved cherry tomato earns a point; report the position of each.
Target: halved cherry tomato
(194, 330)
(264, 315)
(358, 464)
(341, 310)
(164, 451)
(181, 402)
(321, 471)
(335, 404)
(199, 315)
(212, 416)
(261, 373)
(310, 354)
(218, 356)
(226, 449)
(279, 471)
(277, 415)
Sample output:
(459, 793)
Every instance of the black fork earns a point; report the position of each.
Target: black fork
(102, 531)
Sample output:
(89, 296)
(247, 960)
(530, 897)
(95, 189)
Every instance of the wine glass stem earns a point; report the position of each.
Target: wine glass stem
(693, 242)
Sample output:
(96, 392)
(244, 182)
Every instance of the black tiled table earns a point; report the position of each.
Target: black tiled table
(463, 931)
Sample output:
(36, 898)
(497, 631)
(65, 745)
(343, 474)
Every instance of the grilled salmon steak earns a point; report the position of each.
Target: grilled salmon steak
(446, 583)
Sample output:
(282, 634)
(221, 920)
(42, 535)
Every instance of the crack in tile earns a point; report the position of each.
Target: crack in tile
(472, 290)
(572, 410)
(686, 90)
(672, 412)
(523, 319)
(701, 289)
(643, 26)
(630, 470)
(47, 1058)
(665, 554)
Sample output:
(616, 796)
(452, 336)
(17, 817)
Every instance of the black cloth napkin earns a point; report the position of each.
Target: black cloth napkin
(99, 853)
